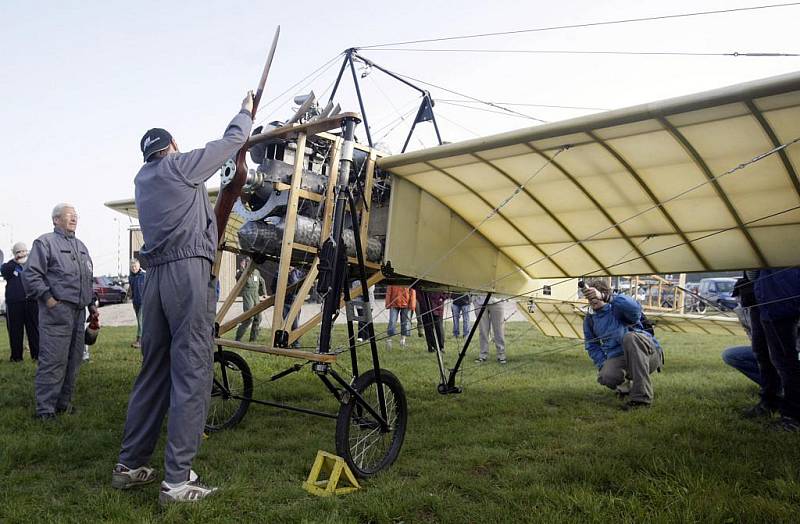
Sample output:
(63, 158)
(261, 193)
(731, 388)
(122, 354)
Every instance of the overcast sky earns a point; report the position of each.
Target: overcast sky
(81, 81)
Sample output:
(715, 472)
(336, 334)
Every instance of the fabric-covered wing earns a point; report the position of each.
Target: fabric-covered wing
(561, 318)
(641, 190)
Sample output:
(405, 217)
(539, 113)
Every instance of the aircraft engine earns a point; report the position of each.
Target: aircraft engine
(265, 198)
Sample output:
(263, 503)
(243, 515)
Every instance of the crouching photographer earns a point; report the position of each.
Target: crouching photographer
(622, 348)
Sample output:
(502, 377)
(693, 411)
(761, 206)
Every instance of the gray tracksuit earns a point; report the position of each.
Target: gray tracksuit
(59, 267)
(179, 303)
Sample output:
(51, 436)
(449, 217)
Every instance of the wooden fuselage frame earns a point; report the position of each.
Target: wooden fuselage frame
(290, 248)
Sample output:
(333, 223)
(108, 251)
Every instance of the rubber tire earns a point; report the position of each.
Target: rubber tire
(229, 358)
(361, 383)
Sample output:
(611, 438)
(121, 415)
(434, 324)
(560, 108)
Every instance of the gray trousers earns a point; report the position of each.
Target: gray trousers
(492, 325)
(178, 306)
(61, 337)
(640, 359)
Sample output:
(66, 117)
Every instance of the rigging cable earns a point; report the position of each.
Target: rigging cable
(579, 52)
(584, 25)
(739, 167)
(457, 93)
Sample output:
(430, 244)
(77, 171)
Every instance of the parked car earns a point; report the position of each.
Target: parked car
(716, 292)
(106, 292)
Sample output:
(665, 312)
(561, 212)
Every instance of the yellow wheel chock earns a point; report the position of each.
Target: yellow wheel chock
(337, 471)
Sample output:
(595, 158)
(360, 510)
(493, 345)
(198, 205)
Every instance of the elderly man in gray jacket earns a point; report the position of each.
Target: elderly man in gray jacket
(59, 275)
(178, 307)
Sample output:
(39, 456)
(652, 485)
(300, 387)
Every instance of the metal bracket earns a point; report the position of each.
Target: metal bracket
(353, 315)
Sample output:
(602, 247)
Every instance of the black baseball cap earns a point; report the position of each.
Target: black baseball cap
(153, 141)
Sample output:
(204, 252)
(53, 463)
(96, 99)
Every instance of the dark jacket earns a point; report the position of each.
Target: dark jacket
(175, 215)
(603, 330)
(778, 293)
(460, 299)
(12, 272)
(437, 303)
(136, 282)
(59, 266)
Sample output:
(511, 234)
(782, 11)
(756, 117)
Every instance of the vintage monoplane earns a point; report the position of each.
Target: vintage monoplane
(698, 183)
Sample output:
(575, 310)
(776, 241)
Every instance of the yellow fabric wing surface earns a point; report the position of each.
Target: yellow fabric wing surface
(634, 191)
(558, 318)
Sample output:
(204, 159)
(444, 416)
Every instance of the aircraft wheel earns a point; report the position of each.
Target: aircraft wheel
(231, 391)
(359, 438)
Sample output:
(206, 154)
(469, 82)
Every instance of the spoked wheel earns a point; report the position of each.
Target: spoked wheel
(362, 443)
(231, 391)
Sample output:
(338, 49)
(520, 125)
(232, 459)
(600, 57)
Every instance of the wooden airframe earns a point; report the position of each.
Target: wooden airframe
(282, 333)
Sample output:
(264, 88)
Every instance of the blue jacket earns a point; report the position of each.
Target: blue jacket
(779, 291)
(12, 272)
(604, 329)
(136, 281)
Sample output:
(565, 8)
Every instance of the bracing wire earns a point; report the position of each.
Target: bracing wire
(529, 293)
(321, 70)
(483, 109)
(734, 54)
(468, 97)
(524, 104)
(584, 25)
(657, 205)
(575, 343)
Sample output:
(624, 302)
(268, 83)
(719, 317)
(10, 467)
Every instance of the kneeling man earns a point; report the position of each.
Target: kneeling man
(623, 352)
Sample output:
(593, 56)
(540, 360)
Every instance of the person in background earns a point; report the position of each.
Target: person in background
(777, 293)
(136, 283)
(437, 310)
(251, 294)
(22, 312)
(742, 358)
(491, 326)
(618, 344)
(460, 307)
(59, 275)
(435, 301)
(400, 301)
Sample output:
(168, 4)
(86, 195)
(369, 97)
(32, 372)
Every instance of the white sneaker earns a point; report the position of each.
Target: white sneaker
(402, 342)
(191, 490)
(123, 477)
(388, 343)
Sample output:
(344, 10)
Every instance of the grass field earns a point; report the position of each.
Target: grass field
(535, 441)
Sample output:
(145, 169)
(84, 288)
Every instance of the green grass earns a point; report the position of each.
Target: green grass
(541, 441)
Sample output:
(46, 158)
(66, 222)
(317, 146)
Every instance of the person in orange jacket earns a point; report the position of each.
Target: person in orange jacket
(400, 301)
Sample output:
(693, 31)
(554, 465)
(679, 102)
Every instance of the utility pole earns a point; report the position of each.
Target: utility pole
(119, 266)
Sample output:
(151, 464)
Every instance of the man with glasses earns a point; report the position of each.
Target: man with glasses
(59, 276)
